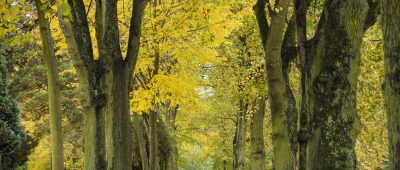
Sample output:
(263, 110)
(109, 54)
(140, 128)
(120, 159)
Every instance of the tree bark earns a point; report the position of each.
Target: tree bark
(391, 87)
(239, 142)
(334, 121)
(257, 149)
(53, 89)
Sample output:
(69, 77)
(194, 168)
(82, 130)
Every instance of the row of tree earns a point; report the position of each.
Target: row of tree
(130, 102)
(106, 80)
(322, 132)
(329, 64)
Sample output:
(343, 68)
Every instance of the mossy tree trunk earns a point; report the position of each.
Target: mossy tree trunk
(312, 52)
(104, 82)
(282, 146)
(140, 127)
(164, 141)
(391, 86)
(300, 24)
(288, 55)
(239, 141)
(53, 88)
(171, 119)
(334, 119)
(279, 53)
(257, 148)
(92, 103)
(153, 141)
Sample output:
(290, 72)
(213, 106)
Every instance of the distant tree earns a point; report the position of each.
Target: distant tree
(12, 134)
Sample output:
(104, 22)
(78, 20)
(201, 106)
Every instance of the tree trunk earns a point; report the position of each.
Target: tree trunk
(257, 149)
(334, 120)
(92, 100)
(140, 127)
(288, 55)
(301, 29)
(282, 148)
(171, 118)
(92, 97)
(53, 89)
(391, 86)
(239, 142)
(225, 165)
(117, 119)
(153, 141)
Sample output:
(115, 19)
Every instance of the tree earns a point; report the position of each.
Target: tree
(239, 140)
(391, 86)
(12, 134)
(105, 81)
(179, 40)
(53, 89)
(283, 131)
(315, 59)
(333, 75)
(239, 81)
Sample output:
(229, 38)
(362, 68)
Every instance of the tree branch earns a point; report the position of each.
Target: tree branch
(259, 10)
(134, 35)
(373, 12)
(80, 30)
